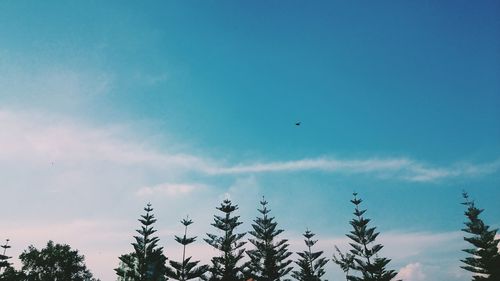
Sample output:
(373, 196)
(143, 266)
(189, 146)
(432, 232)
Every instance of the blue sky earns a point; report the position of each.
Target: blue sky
(105, 107)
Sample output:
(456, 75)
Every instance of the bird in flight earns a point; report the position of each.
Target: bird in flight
(298, 123)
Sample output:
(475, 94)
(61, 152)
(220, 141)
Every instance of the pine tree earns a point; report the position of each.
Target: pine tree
(370, 266)
(7, 272)
(310, 263)
(185, 270)
(485, 259)
(4, 260)
(225, 267)
(147, 262)
(268, 259)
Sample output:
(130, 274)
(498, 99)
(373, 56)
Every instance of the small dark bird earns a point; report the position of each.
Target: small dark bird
(298, 123)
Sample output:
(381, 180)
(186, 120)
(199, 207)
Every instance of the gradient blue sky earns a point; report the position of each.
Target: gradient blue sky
(107, 106)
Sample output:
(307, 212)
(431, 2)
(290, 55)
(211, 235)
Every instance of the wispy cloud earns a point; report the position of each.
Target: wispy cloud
(170, 189)
(41, 138)
(37, 138)
(398, 168)
(408, 245)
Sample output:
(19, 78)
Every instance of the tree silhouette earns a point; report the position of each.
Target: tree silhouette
(225, 267)
(54, 262)
(344, 260)
(186, 269)
(367, 263)
(7, 272)
(484, 260)
(268, 259)
(310, 263)
(4, 259)
(147, 262)
(10, 274)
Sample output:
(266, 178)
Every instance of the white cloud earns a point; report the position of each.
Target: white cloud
(170, 189)
(412, 272)
(37, 138)
(398, 168)
(322, 164)
(43, 140)
(404, 245)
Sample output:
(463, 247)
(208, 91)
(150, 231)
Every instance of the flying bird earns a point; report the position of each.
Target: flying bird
(298, 123)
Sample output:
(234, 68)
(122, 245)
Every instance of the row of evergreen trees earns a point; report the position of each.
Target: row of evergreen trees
(267, 260)
(269, 257)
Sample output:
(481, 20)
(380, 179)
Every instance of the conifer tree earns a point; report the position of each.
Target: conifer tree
(4, 260)
(485, 259)
(225, 267)
(186, 269)
(367, 263)
(7, 272)
(310, 263)
(147, 262)
(268, 259)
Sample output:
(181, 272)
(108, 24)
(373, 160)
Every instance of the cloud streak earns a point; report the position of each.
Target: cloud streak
(37, 139)
(385, 168)
(169, 189)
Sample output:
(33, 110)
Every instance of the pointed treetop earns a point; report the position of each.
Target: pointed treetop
(186, 221)
(308, 235)
(269, 258)
(263, 201)
(225, 267)
(147, 262)
(185, 269)
(227, 207)
(310, 264)
(484, 258)
(367, 262)
(355, 200)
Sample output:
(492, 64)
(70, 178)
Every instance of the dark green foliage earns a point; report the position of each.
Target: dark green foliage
(4, 259)
(10, 274)
(367, 263)
(147, 262)
(345, 261)
(7, 272)
(268, 259)
(225, 267)
(186, 269)
(54, 262)
(310, 263)
(484, 258)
